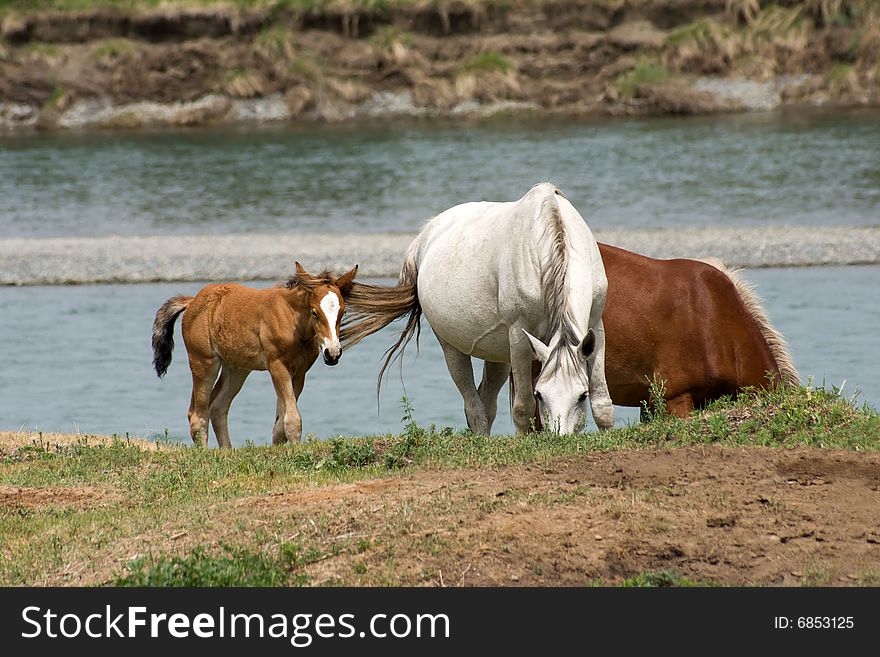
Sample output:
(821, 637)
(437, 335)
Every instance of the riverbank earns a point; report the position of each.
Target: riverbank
(79, 260)
(744, 493)
(67, 65)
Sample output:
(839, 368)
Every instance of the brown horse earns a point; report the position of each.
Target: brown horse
(232, 330)
(696, 326)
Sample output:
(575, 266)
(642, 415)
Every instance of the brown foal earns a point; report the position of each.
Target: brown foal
(232, 330)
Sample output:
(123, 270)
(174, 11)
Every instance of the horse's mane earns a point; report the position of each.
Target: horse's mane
(775, 340)
(308, 281)
(554, 281)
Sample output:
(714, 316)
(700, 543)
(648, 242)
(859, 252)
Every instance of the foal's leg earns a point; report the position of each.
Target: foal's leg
(278, 427)
(600, 398)
(523, 405)
(291, 421)
(494, 376)
(230, 382)
(462, 371)
(204, 373)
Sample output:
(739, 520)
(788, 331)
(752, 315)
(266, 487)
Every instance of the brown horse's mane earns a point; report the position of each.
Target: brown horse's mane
(775, 340)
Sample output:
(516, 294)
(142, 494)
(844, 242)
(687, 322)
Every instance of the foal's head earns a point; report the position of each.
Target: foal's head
(326, 305)
(562, 389)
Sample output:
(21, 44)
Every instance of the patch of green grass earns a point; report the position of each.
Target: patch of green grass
(839, 73)
(276, 41)
(486, 62)
(387, 36)
(40, 49)
(657, 579)
(645, 72)
(112, 49)
(305, 68)
(351, 453)
(234, 567)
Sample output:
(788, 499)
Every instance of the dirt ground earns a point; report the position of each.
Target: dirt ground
(719, 515)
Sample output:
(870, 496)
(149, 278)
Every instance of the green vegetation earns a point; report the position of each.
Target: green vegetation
(276, 41)
(39, 49)
(389, 36)
(486, 62)
(274, 6)
(117, 502)
(658, 579)
(235, 567)
(645, 72)
(111, 49)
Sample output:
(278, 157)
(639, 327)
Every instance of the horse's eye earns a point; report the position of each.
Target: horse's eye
(582, 398)
(314, 314)
(538, 396)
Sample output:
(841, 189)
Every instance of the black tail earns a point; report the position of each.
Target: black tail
(163, 332)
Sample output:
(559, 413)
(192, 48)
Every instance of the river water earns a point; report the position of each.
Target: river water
(78, 358)
(753, 169)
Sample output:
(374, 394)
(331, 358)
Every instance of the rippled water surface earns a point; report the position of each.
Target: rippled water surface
(775, 168)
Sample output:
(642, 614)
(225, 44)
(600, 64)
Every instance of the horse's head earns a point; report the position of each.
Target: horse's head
(326, 306)
(562, 389)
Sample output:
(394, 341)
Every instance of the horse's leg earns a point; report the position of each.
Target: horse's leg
(600, 398)
(204, 374)
(494, 376)
(462, 372)
(523, 406)
(681, 405)
(291, 421)
(231, 380)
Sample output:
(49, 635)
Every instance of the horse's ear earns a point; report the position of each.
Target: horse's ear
(539, 349)
(300, 270)
(588, 344)
(345, 282)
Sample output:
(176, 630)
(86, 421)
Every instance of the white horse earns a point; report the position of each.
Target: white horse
(506, 283)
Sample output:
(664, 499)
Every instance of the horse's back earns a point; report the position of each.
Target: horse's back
(480, 269)
(234, 321)
(682, 320)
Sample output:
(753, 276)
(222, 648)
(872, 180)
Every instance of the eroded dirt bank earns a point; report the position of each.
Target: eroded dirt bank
(732, 516)
(341, 61)
(708, 514)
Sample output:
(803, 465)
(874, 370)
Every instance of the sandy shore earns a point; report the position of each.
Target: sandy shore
(271, 256)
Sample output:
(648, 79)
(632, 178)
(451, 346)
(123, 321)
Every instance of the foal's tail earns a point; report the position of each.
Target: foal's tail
(775, 340)
(369, 308)
(163, 331)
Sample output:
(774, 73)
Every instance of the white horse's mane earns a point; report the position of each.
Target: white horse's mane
(554, 283)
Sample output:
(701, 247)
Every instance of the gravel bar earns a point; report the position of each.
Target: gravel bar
(77, 260)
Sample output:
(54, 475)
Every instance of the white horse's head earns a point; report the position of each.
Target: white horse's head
(562, 390)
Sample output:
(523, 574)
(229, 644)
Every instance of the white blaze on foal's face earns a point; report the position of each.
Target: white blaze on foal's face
(330, 348)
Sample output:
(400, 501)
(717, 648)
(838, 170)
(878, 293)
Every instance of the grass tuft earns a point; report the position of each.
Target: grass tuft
(645, 72)
(487, 62)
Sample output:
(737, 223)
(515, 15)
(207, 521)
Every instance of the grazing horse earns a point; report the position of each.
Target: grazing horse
(506, 283)
(697, 326)
(233, 330)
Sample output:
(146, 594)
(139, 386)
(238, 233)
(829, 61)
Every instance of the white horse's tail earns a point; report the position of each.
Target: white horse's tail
(370, 308)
